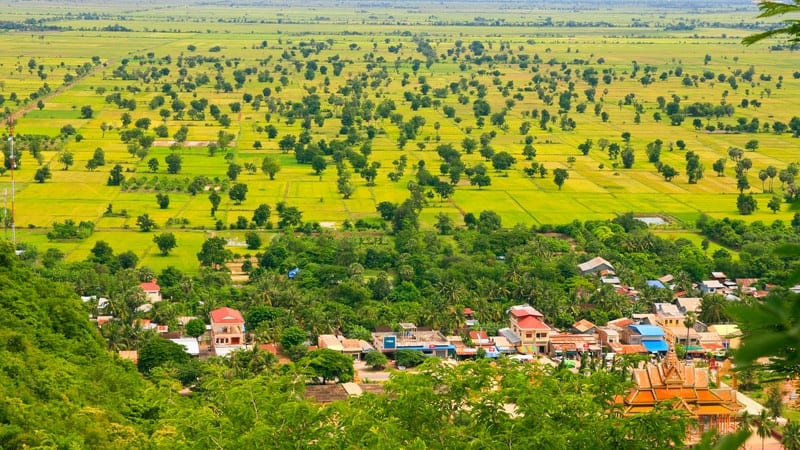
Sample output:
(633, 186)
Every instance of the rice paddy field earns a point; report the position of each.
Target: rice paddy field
(261, 63)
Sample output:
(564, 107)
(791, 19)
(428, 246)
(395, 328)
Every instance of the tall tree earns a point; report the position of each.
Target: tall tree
(560, 176)
(270, 166)
(165, 242)
(213, 252)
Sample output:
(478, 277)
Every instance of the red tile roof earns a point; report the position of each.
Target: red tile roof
(532, 323)
(525, 311)
(226, 315)
(150, 287)
(475, 335)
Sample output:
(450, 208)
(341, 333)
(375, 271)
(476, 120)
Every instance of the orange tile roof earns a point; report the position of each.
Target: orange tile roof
(226, 315)
(707, 396)
(150, 287)
(713, 410)
(642, 397)
(532, 323)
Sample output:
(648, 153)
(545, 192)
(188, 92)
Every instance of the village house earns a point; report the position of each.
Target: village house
(689, 304)
(534, 334)
(152, 291)
(227, 330)
(651, 337)
(430, 342)
(668, 315)
(712, 287)
(583, 326)
(355, 348)
(596, 265)
(572, 345)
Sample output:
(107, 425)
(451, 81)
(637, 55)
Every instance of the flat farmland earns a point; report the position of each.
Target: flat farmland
(388, 89)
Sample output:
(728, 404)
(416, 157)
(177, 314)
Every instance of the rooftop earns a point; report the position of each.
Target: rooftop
(524, 310)
(226, 315)
(593, 264)
(150, 286)
(648, 330)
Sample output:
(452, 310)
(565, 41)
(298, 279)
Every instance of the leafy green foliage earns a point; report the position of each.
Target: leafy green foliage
(49, 355)
(157, 352)
(326, 365)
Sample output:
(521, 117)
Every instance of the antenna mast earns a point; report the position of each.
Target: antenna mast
(13, 161)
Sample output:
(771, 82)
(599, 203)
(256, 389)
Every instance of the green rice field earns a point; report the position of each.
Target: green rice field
(608, 71)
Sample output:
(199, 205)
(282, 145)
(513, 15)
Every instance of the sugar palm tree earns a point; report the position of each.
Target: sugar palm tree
(745, 421)
(688, 322)
(771, 9)
(791, 436)
(764, 427)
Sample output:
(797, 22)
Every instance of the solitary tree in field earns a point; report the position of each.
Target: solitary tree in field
(86, 112)
(174, 162)
(43, 173)
(719, 167)
(233, 171)
(145, 223)
(560, 176)
(163, 200)
(116, 178)
(668, 172)
(215, 200)
(238, 193)
(270, 166)
(67, 159)
(165, 242)
(319, 164)
(261, 214)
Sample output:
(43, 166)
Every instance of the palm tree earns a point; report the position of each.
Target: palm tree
(791, 436)
(745, 421)
(688, 322)
(770, 9)
(764, 427)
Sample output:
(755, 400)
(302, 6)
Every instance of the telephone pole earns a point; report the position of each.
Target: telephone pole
(13, 188)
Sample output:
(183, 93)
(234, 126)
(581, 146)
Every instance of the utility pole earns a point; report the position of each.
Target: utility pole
(13, 169)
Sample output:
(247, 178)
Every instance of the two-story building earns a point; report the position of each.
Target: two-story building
(534, 334)
(227, 330)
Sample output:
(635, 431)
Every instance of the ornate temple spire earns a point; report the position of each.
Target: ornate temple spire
(671, 368)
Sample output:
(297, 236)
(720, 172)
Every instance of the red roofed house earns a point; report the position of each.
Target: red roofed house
(534, 334)
(152, 291)
(227, 327)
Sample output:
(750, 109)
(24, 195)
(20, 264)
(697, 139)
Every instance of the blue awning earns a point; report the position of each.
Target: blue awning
(655, 346)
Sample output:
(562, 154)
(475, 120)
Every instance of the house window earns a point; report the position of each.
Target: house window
(528, 335)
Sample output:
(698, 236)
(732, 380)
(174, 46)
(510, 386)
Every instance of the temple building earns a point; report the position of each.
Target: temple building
(713, 408)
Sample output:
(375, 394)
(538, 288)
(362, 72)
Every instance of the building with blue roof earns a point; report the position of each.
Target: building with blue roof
(651, 337)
